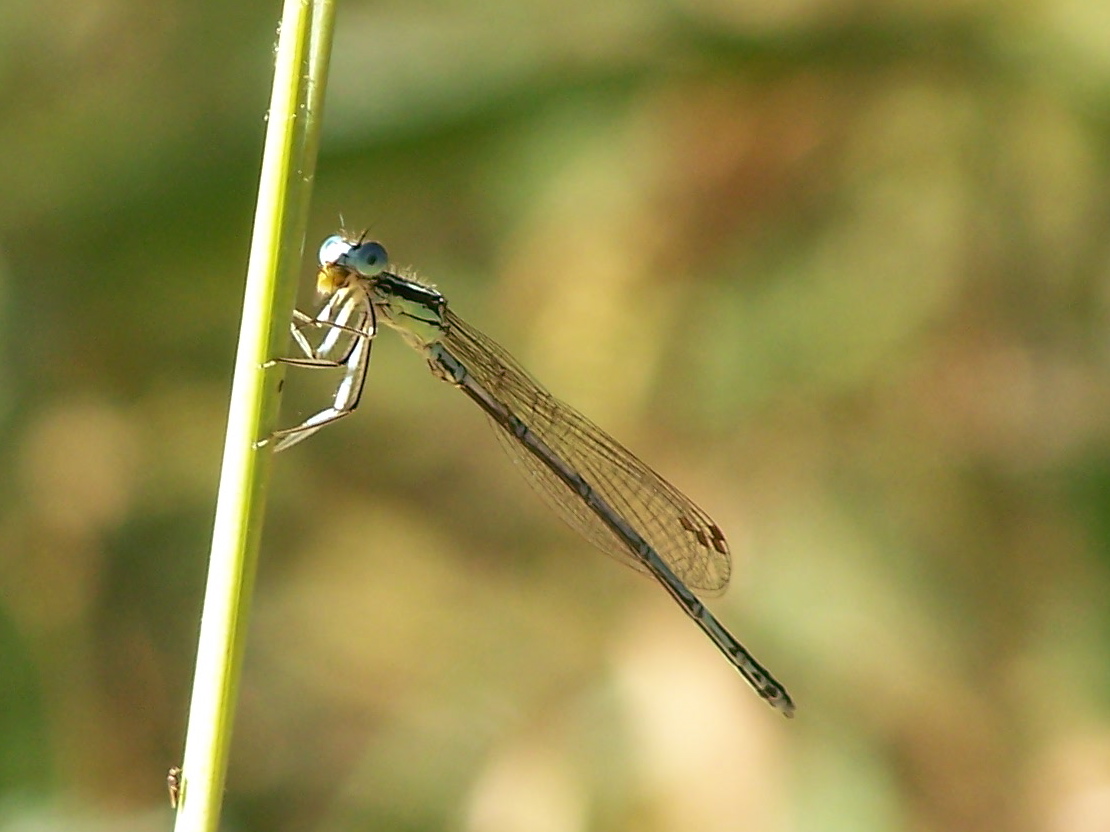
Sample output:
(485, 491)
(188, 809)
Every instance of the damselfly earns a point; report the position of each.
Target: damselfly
(597, 486)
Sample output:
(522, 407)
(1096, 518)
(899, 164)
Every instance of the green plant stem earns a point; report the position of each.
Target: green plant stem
(288, 163)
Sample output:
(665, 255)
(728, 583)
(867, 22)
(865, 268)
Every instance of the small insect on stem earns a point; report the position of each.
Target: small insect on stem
(174, 784)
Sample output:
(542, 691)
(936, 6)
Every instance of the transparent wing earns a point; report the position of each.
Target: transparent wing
(692, 545)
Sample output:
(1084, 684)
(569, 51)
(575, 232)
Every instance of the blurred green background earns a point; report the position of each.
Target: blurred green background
(838, 270)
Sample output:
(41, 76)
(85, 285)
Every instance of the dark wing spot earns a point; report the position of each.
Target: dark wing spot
(698, 534)
(718, 539)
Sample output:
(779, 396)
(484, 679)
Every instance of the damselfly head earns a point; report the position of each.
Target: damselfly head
(341, 260)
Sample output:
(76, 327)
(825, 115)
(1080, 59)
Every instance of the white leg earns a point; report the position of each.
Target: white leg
(345, 313)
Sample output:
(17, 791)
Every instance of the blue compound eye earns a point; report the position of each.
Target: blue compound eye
(368, 259)
(333, 248)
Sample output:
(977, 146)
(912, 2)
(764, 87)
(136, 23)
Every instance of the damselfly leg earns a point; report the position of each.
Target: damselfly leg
(350, 324)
